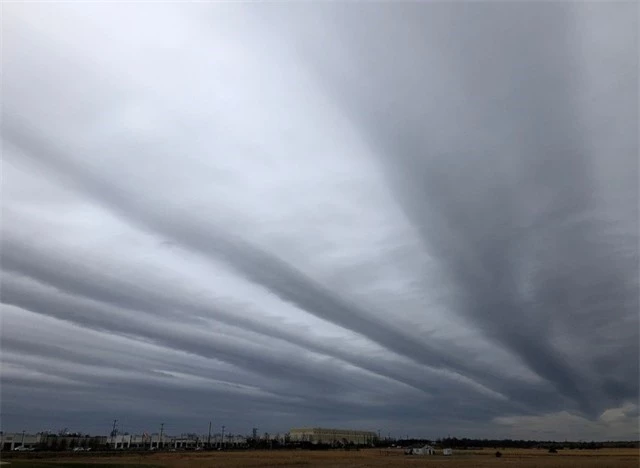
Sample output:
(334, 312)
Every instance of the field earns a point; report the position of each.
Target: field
(526, 458)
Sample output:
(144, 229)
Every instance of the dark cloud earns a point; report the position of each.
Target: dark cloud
(495, 144)
(80, 280)
(499, 182)
(267, 270)
(257, 265)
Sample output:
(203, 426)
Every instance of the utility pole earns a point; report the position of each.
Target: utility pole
(161, 432)
(23, 431)
(209, 437)
(222, 438)
(114, 433)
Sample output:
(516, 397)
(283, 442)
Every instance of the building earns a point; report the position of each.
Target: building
(184, 441)
(144, 441)
(46, 441)
(234, 440)
(13, 440)
(318, 435)
(70, 441)
(447, 451)
(420, 450)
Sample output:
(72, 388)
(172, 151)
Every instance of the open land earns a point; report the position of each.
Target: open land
(525, 458)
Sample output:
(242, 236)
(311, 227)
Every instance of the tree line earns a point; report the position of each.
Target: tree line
(465, 443)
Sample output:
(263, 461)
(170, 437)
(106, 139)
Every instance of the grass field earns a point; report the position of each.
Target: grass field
(526, 458)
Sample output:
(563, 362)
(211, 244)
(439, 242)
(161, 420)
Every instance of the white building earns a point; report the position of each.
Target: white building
(424, 450)
(447, 451)
(318, 435)
(13, 440)
(184, 441)
(234, 440)
(131, 441)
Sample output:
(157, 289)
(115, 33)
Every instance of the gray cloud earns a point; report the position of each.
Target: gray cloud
(89, 283)
(278, 276)
(415, 213)
(510, 208)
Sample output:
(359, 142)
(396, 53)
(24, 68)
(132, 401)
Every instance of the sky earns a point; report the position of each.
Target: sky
(419, 218)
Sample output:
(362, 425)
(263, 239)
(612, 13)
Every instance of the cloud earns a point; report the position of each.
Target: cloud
(350, 215)
(509, 207)
(278, 276)
(616, 423)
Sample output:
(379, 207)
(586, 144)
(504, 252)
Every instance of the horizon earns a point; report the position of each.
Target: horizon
(416, 218)
(216, 435)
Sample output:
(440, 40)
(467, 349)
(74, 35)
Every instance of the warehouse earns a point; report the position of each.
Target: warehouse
(14, 440)
(318, 435)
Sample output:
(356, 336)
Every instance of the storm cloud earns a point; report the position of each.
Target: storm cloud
(415, 217)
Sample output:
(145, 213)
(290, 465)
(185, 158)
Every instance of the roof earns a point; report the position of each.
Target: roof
(328, 429)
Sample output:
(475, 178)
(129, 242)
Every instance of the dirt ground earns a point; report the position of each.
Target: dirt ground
(612, 458)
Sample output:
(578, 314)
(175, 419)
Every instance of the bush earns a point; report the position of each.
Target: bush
(553, 450)
(498, 454)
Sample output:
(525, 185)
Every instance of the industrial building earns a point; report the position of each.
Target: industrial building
(13, 440)
(46, 441)
(184, 441)
(144, 441)
(318, 435)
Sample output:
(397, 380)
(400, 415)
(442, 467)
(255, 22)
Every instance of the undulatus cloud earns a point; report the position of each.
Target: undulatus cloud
(417, 217)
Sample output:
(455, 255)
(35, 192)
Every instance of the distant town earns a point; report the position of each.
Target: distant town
(313, 438)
